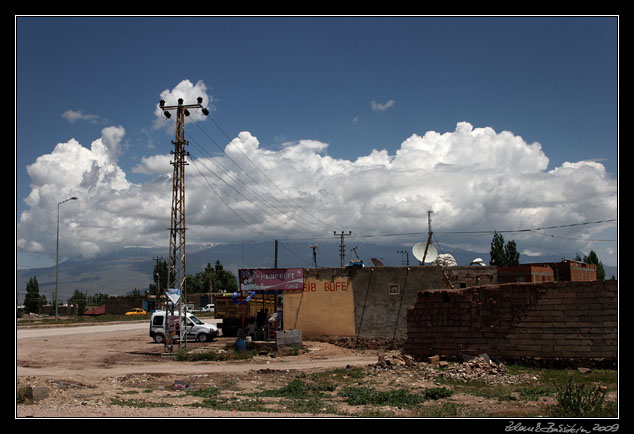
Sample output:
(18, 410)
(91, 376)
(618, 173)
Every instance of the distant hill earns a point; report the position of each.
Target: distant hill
(122, 271)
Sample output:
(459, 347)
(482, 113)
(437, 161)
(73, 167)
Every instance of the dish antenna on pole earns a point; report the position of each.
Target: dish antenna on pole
(425, 252)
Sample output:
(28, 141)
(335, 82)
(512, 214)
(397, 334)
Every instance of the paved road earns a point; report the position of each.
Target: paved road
(32, 332)
(73, 330)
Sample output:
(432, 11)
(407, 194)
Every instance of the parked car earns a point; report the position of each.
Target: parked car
(196, 329)
(208, 308)
(137, 311)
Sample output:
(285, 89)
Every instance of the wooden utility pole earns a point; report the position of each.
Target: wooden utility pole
(158, 260)
(276, 243)
(314, 247)
(428, 237)
(177, 264)
(342, 248)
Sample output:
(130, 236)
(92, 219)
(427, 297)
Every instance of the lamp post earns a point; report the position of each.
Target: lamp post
(57, 252)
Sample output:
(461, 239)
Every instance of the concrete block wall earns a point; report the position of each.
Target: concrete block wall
(382, 295)
(369, 302)
(552, 322)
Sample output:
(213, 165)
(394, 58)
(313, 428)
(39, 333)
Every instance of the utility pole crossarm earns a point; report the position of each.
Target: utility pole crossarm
(342, 248)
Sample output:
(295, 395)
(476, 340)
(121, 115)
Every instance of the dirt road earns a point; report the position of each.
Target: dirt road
(117, 371)
(84, 368)
(97, 351)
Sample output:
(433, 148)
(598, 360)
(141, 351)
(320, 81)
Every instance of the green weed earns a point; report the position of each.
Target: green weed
(393, 398)
(581, 400)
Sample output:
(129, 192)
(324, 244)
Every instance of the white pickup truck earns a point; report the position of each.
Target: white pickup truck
(196, 329)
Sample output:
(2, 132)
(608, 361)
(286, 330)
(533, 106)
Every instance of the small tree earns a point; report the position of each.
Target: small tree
(503, 255)
(78, 298)
(592, 258)
(160, 275)
(33, 301)
(223, 280)
(511, 254)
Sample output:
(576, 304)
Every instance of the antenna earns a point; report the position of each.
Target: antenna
(314, 247)
(424, 252)
(377, 262)
(354, 249)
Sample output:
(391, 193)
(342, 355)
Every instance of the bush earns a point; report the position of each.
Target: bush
(579, 400)
(394, 398)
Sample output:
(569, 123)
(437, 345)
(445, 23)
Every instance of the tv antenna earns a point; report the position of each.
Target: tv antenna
(425, 252)
(314, 247)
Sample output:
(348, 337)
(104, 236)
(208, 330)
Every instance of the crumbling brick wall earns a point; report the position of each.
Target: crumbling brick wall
(552, 322)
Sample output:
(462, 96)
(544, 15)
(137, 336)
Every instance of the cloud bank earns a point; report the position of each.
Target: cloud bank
(472, 178)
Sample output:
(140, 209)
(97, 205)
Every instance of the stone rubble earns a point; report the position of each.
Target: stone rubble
(479, 368)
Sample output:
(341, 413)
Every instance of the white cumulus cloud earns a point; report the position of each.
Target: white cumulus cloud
(472, 178)
(189, 93)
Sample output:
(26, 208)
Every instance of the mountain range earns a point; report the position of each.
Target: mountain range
(122, 271)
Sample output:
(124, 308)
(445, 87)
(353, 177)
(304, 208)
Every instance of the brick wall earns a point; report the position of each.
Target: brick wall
(120, 305)
(557, 323)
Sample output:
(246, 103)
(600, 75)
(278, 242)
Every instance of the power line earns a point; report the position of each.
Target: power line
(571, 239)
(254, 198)
(237, 214)
(312, 216)
(264, 211)
(483, 232)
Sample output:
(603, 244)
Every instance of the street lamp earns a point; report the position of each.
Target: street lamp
(57, 252)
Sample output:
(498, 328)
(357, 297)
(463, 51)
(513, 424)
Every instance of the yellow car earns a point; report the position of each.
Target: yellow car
(136, 311)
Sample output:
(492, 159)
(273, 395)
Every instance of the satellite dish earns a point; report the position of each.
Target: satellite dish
(419, 252)
(377, 263)
(478, 261)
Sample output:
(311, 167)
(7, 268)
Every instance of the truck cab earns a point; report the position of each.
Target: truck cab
(196, 329)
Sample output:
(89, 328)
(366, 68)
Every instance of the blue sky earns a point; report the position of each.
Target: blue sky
(357, 84)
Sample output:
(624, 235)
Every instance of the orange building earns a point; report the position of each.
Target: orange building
(526, 273)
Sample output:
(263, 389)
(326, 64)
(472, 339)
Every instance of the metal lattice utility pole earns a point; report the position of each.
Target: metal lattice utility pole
(342, 248)
(176, 264)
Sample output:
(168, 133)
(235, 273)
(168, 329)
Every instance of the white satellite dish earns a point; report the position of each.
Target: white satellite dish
(419, 252)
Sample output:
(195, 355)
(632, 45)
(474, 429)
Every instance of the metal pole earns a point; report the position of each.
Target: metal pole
(57, 261)
(177, 263)
(57, 253)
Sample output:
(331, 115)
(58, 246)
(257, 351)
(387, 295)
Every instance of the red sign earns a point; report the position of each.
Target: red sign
(271, 279)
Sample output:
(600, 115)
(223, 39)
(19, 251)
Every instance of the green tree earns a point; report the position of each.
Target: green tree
(511, 254)
(78, 298)
(197, 283)
(503, 255)
(97, 299)
(222, 280)
(159, 275)
(592, 258)
(33, 301)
